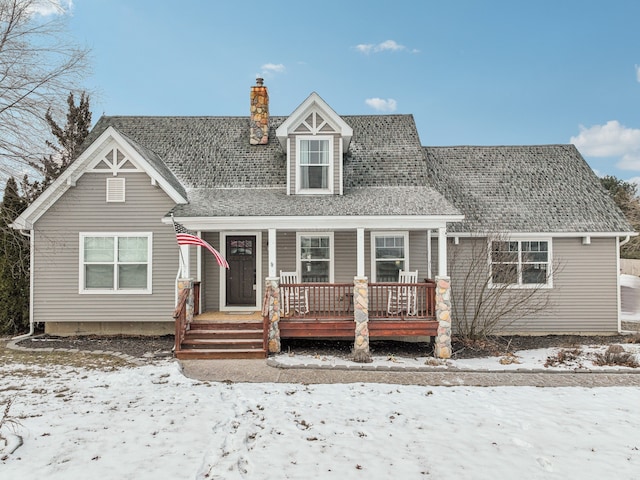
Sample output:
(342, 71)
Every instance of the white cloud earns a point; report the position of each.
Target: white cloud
(382, 105)
(387, 45)
(273, 67)
(638, 73)
(610, 140)
(268, 69)
(50, 7)
(635, 180)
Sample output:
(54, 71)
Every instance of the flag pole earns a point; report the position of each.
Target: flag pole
(181, 267)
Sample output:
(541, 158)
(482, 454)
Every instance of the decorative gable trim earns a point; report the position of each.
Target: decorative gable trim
(114, 161)
(91, 161)
(316, 116)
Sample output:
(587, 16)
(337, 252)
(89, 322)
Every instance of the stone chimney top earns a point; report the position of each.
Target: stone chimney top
(259, 121)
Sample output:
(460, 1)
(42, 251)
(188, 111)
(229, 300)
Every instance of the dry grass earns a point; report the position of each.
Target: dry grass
(55, 358)
(615, 355)
(567, 357)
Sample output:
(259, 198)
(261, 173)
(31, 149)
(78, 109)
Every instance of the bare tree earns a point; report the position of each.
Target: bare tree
(497, 282)
(39, 66)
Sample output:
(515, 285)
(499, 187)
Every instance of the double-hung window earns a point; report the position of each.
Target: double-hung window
(389, 255)
(314, 164)
(315, 257)
(520, 263)
(115, 262)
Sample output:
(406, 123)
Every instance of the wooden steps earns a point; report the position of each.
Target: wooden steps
(219, 339)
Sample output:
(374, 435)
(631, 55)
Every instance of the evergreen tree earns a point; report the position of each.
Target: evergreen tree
(624, 194)
(69, 140)
(14, 264)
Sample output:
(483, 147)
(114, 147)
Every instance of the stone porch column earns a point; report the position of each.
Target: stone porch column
(443, 315)
(361, 353)
(187, 284)
(272, 290)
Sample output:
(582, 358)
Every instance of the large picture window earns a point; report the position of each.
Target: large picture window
(115, 263)
(389, 255)
(524, 263)
(314, 165)
(315, 257)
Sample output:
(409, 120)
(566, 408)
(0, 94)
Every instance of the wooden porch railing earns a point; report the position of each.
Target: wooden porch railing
(402, 301)
(335, 301)
(180, 314)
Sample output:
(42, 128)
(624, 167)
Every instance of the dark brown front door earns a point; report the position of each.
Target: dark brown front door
(241, 276)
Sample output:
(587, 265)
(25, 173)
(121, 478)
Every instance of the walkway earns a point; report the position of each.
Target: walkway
(253, 371)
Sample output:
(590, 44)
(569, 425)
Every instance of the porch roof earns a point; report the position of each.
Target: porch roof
(369, 201)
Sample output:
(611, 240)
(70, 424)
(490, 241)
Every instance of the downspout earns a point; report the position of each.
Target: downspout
(620, 244)
(29, 235)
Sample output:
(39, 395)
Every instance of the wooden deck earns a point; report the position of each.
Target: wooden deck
(327, 312)
(296, 328)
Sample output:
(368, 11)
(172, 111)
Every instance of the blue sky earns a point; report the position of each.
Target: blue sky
(471, 72)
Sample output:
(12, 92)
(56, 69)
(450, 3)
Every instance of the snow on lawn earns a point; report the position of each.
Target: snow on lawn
(151, 422)
(580, 358)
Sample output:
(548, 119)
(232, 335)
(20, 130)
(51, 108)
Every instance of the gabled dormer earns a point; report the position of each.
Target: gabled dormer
(315, 138)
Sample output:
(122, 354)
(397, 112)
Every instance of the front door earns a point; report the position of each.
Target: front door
(241, 276)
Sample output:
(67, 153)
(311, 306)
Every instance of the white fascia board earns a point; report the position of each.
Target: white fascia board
(59, 186)
(517, 235)
(317, 223)
(70, 176)
(314, 102)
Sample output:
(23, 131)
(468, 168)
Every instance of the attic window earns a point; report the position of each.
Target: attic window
(314, 161)
(115, 189)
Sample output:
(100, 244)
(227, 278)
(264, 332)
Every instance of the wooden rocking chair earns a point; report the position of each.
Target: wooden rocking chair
(293, 298)
(403, 298)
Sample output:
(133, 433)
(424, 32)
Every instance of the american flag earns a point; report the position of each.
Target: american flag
(185, 237)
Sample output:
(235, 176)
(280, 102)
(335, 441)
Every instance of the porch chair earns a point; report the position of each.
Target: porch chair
(293, 298)
(403, 298)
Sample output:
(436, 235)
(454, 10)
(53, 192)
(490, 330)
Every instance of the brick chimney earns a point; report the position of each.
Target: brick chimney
(259, 122)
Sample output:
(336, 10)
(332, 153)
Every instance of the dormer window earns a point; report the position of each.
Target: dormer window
(315, 139)
(315, 164)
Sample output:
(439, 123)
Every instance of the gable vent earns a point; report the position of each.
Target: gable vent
(115, 189)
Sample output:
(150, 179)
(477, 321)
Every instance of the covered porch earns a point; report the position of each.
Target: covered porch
(343, 304)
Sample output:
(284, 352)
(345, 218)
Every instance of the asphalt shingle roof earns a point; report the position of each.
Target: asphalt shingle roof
(224, 175)
(545, 188)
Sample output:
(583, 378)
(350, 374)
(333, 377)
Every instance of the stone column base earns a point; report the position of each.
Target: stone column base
(272, 290)
(361, 353)
(442, 348)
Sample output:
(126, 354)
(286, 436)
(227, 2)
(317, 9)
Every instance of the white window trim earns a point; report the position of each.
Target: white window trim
(314, 191)
(377, 234)
(299, 260)
(520, 285)
(93, 291)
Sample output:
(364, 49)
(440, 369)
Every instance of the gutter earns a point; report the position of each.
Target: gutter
(31, 255)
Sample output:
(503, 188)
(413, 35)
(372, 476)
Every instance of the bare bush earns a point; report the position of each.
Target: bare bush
(39, 66)
(494, 286)
(615, 355)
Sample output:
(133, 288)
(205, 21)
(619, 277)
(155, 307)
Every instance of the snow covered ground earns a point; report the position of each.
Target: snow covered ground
(151, 422)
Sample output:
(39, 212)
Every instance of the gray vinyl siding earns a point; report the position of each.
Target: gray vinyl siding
(210, 287)
(586, 297)
(584, 293)
(56, 255)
